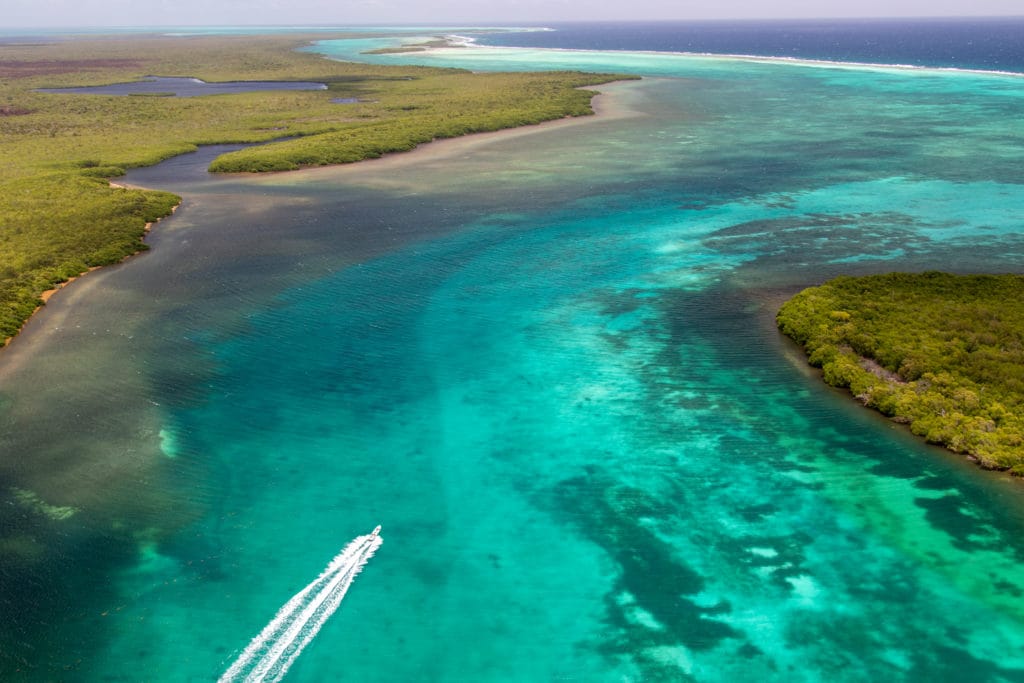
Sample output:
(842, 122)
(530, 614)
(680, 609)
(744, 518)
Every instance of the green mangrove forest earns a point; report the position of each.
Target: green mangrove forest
(59, 215)
(943, 353)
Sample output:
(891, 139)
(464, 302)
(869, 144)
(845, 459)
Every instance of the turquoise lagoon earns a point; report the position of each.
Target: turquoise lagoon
(546, 364)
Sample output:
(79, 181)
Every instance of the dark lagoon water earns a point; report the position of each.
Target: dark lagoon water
(547, 365)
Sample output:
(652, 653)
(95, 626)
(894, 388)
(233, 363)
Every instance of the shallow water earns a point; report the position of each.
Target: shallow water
(547, 366)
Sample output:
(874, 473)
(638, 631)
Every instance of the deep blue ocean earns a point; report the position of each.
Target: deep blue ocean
(545, 361)
(995, 44)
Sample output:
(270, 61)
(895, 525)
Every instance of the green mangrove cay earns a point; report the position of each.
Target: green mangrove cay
(943, 353)
(59, 215)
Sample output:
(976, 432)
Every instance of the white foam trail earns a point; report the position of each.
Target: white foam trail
(270, 654)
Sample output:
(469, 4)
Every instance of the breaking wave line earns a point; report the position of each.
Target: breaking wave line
(270, 654)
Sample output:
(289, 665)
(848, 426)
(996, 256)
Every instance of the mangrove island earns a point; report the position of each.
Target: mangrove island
(942, 353)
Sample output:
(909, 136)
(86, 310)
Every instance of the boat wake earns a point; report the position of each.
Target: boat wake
(271, 653)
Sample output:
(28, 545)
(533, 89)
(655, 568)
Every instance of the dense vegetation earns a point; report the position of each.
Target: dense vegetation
(941, 352)
(59, 215)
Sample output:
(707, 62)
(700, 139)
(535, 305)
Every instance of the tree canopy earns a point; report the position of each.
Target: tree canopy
(943, 353)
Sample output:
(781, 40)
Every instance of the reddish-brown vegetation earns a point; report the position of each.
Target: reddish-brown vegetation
(11, 110)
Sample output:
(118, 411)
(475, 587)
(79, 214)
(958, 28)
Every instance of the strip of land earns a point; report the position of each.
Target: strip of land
(942, 353)
(610, 102)
(60, 216)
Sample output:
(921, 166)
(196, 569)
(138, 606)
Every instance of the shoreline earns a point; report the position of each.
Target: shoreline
(604, 105)
(48, 294)
(942, 400)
